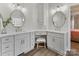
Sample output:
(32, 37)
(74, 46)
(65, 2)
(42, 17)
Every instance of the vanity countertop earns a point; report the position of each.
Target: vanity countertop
(49, 31)
(15, 33)
(9, 34)
(58, 31)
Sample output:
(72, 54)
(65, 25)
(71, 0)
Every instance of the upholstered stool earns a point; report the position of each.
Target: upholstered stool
(41, 40)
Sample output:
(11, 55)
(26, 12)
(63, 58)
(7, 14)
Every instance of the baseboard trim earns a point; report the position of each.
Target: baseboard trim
(62, 54)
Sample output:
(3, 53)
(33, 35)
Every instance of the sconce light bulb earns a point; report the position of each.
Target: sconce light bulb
(23, 19)
(52, 11)
(24, 9)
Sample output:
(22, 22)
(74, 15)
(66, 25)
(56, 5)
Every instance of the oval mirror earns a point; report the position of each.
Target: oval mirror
(1, 23)
(17, 18)
(59, 19)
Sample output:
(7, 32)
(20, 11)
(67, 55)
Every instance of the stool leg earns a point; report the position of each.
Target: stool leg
(44, 45)
(37, 45)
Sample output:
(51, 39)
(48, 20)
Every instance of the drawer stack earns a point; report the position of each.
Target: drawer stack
(7, 46)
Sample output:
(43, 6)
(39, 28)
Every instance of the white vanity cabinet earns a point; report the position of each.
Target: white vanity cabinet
(24, 42)
(7, 46)
(57, 42)
(20, 41)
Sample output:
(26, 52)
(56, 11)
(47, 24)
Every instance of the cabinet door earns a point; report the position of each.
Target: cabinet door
(26, 43)
(53, 42)
(17, 46)
(50, 43)
(62, 49)
(48, 40)
(29, 42)
(57, 44)
(22, 45)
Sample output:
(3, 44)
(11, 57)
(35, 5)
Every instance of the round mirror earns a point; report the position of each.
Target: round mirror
(17, 18)
(1, 23)
(59, 19)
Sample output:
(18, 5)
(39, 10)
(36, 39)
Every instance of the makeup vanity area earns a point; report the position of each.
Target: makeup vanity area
(17, 43)
(13, 44)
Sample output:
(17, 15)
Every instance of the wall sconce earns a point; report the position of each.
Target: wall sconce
(17, 6)
(55, 10)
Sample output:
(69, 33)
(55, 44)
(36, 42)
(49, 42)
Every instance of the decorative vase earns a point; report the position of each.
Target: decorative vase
(4, 31)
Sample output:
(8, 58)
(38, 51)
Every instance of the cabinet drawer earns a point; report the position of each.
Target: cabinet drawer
(7, 46)
(8, 53)
(40, 33)
(7, 40)
(7, 49)
(59, 35)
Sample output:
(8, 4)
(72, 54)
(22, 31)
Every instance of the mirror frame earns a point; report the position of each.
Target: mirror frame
(64, 19)
(21, 13)
(2, 23)
(1, 17)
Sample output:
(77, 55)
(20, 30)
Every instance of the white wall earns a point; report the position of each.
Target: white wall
(37, 17)
(30, 17)
(66, 11)
(5, 12)
(30, 14)
(41, 20)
